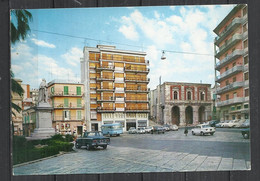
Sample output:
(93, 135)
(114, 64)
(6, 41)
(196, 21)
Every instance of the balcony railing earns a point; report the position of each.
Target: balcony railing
(231, 101)
(229, 73)
(70, 118)
(118, 79)
(146, 70)
(67, 106)
(62, 93)
(105, 109)
(119, 89)
(108, 89)
(120, 99)
(106, 99)
(130, 109)
(105, 68)
(105, 78)
(126, 59)
(228, 59)
(130, 89)
(120, 109)
(133, 79)
(136, 99)
(230, 87)
(233, 25)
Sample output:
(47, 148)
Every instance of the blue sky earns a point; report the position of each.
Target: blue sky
(46, 53)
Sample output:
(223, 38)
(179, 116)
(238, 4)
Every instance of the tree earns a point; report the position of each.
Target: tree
(16, 89)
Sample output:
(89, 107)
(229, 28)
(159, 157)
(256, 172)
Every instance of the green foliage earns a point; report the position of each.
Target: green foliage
(24, 151)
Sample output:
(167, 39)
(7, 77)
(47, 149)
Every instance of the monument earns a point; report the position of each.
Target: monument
(43, 110)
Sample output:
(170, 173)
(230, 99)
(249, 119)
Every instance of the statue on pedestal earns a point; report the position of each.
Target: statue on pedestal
(43, 94)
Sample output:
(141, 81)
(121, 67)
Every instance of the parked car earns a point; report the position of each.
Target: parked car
(132, 130)
(246, 133)
(246, 124)
(140, 130)
(203, 129)
(213, 123)
(239, 123)
(174, 127)
(148, 129)
(219, 125)
(158, 129)
(230, 124)
(166, 127)
(92, 140)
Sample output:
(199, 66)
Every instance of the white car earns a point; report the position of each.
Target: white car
(140, 130)
(174, 127)
(232, 123)
(203, 129)
(132, 130)
(148, 129)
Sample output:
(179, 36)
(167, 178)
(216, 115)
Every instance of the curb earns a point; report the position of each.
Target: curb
(41, 159)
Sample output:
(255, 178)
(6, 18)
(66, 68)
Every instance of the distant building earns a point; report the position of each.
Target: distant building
(34, 94)
(231, 63)
(29, 121)
(66, 98)
(181, 103)
(116, 87)
(17, 119)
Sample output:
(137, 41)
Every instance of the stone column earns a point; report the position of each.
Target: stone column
(167, 114)
(207, 112)
(195, 114)
(182, 115)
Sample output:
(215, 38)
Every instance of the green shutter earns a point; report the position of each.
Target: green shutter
(78, 102)
(66, 102)
(78, 90)
(66, 90)
(78, 114)
(52, 90)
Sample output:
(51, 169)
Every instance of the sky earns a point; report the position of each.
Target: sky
(54, 46)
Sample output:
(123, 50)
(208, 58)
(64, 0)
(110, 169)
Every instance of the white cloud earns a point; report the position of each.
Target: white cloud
(43, 43)
(129, 32)
(73, 56)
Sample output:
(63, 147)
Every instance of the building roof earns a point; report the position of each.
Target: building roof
(60, 81)
(185, 83)
(227, 18)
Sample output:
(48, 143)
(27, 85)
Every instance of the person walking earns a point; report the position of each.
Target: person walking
(186, 131)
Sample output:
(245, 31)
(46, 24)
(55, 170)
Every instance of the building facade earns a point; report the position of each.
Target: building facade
(116, 87)
(231, 65)
(181, 103)
(66, 98)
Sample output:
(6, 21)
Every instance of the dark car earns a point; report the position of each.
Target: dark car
(92, 140)
(246, 124)
(213, 123)
(246, 133)
(158, 129)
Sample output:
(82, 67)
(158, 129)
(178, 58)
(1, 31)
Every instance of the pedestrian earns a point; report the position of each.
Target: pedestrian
(186, 131)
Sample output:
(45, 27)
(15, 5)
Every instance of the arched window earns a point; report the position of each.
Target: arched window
(175, 93)
(202, 96)
(189, 95)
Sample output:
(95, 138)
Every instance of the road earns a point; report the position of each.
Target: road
(169, 152)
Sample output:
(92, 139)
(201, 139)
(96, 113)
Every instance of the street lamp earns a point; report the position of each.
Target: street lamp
(163, 57)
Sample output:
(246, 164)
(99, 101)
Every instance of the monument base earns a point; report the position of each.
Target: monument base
(42, 133)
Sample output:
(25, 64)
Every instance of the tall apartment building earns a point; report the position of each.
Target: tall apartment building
(231, 46)
(181, 103)
(66, 98)
(116, 87)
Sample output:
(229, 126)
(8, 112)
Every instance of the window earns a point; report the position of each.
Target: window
(175, 95)
(246, 60)
(245, 27)
(78, 115)
(227, 82)
(227, 96)
(245, 43)
(246, 92)
(234, 79)
(238, 107)
(66, 90)
(246, 116)
(233, 117)
(66, 102)
(78, 90)
(234, 94)
(246, 76)
(234, 64)
(202, 96)
(78, 102)
(233, 108)
(245, 106)
(66, 115)
(52, 90)
(189, 95)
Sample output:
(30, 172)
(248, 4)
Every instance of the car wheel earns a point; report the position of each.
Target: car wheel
(77, 145)
(201, 133)
(105, 147)
(88, 147)
(246, 135)
(211, 133)
(193, 133)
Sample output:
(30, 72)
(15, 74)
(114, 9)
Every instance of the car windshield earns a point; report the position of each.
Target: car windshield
(95, 134)
(205, 126)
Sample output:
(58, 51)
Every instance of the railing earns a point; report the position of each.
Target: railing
(137, 69)
(105, 89)
(130, 89)
(230, 87)
(120, 99)
(229, 58)
(105, 78)
(137, 79)
(106, 99)
(130, 109)
(231, 101)
(70, 118)
(105, 109)
(62, 93)
(119, 89)
(125, 59)
(136, 99)
(117, 79)
(105, 68)
(229, 72)
(70, 105)
(119, 109)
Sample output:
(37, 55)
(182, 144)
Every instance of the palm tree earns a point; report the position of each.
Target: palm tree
(16, 89)
(19, 31)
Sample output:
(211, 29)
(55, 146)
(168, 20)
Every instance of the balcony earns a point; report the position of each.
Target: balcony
(136, 99)
(231, 101)
(229, 73)
(107, 89)
(118, 109)
(105, 78)
(71, 118)
(105, 109)
(143, 70)
(65, 94)
(119, 80)
(230, 87)
(133, 79)
(229, 43)
(120, 99)
(106, 99)
(109, 68)
(119, 90)
(130, 89)
(234, 55)
(137, 110)
(67, 106)
(229, 29)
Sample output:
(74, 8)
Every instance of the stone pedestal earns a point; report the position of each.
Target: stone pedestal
(43, 128)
